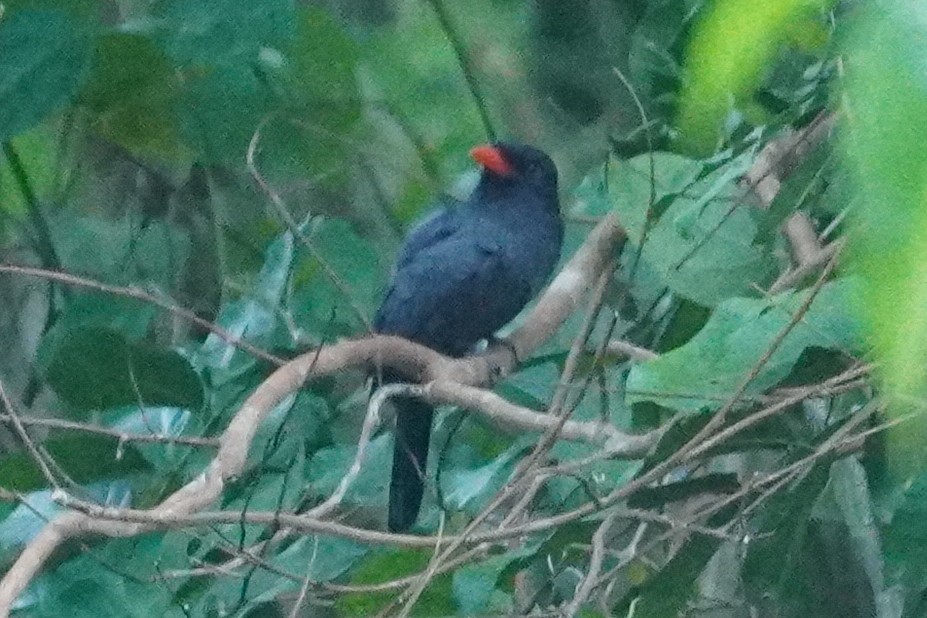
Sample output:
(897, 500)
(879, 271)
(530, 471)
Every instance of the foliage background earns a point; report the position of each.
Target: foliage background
(258, 163)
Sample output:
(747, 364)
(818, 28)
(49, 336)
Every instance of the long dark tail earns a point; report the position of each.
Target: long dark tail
(410, 456)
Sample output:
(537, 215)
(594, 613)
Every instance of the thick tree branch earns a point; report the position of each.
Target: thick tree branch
(453, 381)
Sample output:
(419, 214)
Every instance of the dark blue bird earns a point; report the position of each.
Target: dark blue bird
(461, 275)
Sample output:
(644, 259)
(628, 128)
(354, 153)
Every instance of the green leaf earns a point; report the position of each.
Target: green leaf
(327, 557)
(884, 149)
(85, 458)
(416, 72)
(220, 111)
(850, 489)
(667, 592)
(732, 45)
(160, 421)
(474, 584)
(321, 72)
(252, 317)
(328, 467)
(130, 317)
(43, 60)
(27, 519)
(96, 368)
(318, 303)
(216, 32)
(383, 566)
(702, 373)
(37, 152)
(81, 588)
(632, 192)
(781, 564)
(906, 541)
(319, 98)
(700, 242)
(133, 92)
(124, 250)
(471, 488)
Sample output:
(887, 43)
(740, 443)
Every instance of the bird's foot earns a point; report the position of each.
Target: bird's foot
(508, 345)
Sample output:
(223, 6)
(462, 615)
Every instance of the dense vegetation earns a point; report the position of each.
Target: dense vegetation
(726, 423)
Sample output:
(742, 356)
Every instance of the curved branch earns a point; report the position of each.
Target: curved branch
(450, 378)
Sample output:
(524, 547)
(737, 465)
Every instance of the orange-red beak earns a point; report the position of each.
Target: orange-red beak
(492, 159)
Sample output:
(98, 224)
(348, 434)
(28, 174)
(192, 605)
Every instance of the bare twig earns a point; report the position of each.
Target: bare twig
(294, 228)
(142, 296)
(588, 584)
(26, 439)
(371, 422)
(122, 436)
(635, 353)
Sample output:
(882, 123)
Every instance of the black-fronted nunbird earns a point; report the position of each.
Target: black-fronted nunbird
(462, 274)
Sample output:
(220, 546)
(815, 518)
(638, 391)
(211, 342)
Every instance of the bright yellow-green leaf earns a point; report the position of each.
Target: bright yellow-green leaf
(36, 150)
(731, 47)
(886, 95)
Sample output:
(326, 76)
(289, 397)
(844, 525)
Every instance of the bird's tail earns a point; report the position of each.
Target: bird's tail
(410, 455)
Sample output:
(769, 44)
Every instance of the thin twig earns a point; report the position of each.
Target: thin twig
(588, 584)
(295, 229)
(371, 422)
(463, 60)
(26, 439)
(142, 296)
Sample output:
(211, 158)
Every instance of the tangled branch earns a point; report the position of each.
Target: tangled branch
(444, 380)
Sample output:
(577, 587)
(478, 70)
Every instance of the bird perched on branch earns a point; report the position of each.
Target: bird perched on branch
(462, 274)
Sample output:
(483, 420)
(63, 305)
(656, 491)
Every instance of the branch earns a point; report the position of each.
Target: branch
(775, 163)
(517, 418)
(369, 354)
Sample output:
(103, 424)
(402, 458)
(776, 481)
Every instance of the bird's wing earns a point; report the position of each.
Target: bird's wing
(431, 230)
(453, 293)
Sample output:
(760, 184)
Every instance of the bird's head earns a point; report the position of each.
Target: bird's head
(508, 166)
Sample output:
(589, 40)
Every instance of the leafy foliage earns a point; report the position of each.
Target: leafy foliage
(189, 174)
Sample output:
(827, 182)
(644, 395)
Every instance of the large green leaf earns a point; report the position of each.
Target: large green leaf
(37, 153)
(474, 584)
(393, 564)
(884, 139)
(81, 588)
(780, 562)
(906, 543)
(95, 368)
(132, 91)
(218, 32)
(733, 44)
(320, 100)
(702, 373)
(43, 59)
(85, 458)
(220, 111)
(417, 74)
(125, 250)
(328, 467)
(321, 71)
(252, 317)
(326, 295)
(669, 590)
(470, 489)
(702, 239)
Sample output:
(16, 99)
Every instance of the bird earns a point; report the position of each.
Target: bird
(462, 274)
